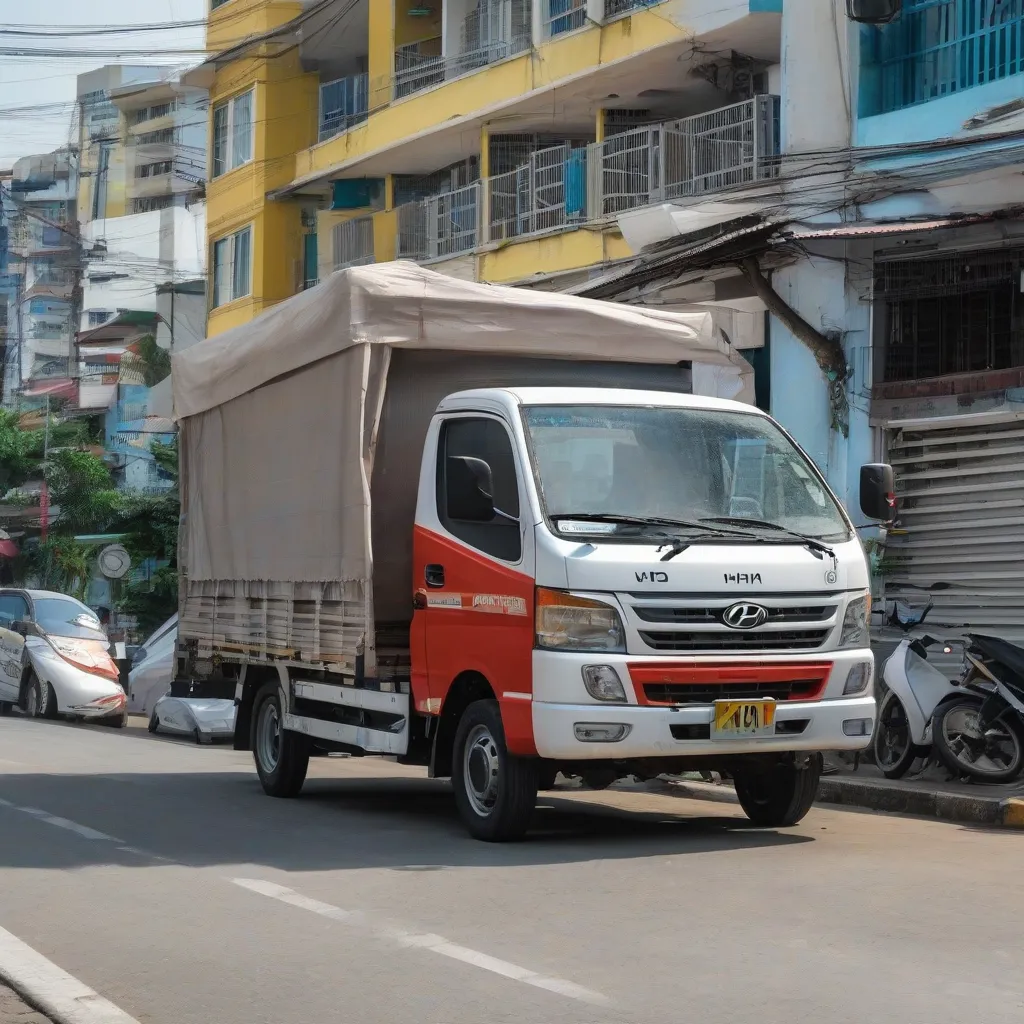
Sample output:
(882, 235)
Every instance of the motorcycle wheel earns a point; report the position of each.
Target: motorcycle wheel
(892, 745)
(995, 756)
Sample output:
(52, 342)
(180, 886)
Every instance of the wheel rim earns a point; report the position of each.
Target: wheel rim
(992, 752)
(32, 701)
(893, 735)
(268, 736)
(481, 769)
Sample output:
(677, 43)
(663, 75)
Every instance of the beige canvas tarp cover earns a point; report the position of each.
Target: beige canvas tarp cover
(280, 416)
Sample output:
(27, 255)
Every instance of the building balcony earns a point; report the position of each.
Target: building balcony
(495, 31)
(344, 103)
(958, 56)
(565, 187)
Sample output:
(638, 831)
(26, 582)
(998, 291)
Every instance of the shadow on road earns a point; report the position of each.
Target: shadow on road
(220, 818)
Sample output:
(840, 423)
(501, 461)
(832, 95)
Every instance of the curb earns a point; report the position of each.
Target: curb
(966, 809)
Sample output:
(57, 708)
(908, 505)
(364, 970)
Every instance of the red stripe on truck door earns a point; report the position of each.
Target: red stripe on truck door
(480, 621)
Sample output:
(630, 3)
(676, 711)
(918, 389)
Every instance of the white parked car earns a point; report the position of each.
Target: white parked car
(149, 685)
(55, 659)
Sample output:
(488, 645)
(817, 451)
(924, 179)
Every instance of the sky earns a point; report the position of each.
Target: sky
(46, 85)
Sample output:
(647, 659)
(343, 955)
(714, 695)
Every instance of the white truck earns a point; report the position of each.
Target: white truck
(492, 531)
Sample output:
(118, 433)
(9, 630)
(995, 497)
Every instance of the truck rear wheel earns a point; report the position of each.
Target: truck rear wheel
(282, 757)
(779, 796)
(495, 791)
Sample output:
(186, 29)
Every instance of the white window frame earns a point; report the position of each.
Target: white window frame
(231, 293)
(231, 105)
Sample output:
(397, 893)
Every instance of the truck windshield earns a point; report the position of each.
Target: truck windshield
(731, 470)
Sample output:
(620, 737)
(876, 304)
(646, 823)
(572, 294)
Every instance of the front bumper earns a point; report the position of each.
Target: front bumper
(560, 702)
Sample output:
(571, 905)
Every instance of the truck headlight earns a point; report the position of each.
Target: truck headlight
(855, 623)
(603, 683)
(565, 622)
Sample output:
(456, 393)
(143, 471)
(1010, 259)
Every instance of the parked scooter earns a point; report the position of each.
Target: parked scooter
(916, 688)
(980, 731)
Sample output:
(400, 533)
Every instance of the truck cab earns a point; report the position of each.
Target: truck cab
(611, 582)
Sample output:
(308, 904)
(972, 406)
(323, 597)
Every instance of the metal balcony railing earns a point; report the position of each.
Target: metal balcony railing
(494, 31)
(453, 221)
(566, 185)
(411, 243)
(353, 243)
(613, 8)
(344, 103)
(546, 193)
(693, 156)
(415, 70)
(561, 16)
(939, 47)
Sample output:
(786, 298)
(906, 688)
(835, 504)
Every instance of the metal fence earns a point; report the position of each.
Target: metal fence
(453, 221)
(352, 242)
(565, 185)
(938, 47)
(561, 16)
(693, 156)
(415, 71)
(344, 103)
(548, 192)
(412, 242)
(494, 31)
(613, 8)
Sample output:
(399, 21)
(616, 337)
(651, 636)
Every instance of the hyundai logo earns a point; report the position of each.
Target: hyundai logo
(744, 616)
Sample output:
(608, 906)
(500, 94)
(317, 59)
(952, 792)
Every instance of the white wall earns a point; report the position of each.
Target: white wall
(143, 250)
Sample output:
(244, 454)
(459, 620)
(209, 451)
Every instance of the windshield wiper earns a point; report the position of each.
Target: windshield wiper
(676, 545)
(816, 547)
(705, 526)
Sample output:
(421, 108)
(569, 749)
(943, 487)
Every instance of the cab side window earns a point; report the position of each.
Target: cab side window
(13, 608)
(468, 449)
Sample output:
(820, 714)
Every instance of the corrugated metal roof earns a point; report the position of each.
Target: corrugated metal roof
(898, 227)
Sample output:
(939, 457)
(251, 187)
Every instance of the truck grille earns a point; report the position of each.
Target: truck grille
(709, 615)
(751, 640)
(686, 693)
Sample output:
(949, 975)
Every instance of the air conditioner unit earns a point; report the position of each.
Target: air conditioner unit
(873, 12)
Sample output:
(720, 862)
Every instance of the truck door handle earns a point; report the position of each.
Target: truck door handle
(434, 575)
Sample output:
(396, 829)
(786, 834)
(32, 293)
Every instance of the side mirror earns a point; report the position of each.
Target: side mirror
(877, 497)
(26, 628)
(469, 489)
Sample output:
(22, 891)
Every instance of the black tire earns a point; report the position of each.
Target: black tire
(495, 791)
(891, 761)
(5, 708)
(948, 756)
(154, 722)
(599, 778)
(281, 765)
(546, 777)
(40, 700)
(779, 796)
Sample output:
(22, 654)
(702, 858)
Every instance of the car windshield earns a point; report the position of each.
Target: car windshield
(732, 469)
(64, 616)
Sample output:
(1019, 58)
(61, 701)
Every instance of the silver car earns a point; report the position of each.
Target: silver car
(55, 659)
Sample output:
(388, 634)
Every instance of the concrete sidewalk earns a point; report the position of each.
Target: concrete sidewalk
(14, 1009)
(929, 794)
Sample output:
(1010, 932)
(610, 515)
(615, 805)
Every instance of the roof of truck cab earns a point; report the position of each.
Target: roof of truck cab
(596, 396)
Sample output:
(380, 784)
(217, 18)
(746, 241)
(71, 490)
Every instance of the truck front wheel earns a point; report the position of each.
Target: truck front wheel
(781, 795)
(495, 791)
(282, 757)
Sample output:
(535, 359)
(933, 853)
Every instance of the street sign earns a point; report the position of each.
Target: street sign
(114, 561)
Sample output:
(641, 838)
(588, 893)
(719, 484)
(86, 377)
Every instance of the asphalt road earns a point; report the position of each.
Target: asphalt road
(159, 875)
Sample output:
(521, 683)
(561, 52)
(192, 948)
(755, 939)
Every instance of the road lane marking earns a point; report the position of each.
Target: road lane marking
(428, 941)
(54, 991)
(72, 826)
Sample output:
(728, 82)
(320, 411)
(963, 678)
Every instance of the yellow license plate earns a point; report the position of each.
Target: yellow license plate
(736, 718)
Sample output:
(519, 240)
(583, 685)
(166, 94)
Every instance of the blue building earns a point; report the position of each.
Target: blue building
(890, 236)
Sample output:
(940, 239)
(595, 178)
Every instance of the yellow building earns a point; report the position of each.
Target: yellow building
(494, 139)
